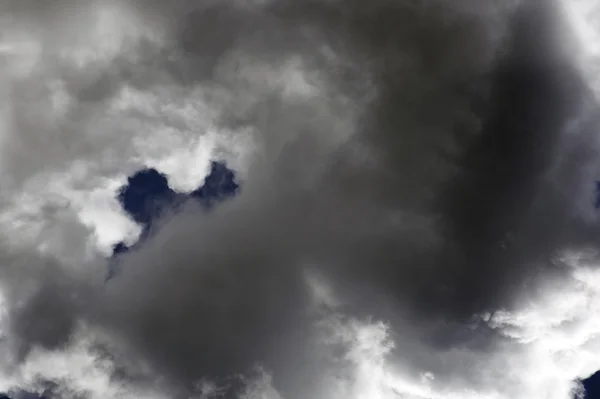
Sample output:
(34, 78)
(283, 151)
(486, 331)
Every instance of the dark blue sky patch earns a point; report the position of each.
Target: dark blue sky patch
(592, 386)
(146, 196)
(218, 185)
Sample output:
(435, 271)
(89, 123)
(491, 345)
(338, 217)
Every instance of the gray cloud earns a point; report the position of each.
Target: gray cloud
(424, 178)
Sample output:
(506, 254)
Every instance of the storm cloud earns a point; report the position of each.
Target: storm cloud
(414, 177)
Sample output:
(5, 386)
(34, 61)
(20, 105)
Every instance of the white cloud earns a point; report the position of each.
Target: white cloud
(583, 17)
(78, 371)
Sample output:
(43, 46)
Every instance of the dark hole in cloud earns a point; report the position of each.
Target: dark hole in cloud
(147, 194)
(592, 386)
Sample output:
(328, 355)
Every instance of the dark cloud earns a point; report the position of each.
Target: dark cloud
(450, 200)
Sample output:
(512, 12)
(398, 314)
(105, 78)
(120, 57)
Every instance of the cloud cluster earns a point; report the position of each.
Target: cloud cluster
(417, 195)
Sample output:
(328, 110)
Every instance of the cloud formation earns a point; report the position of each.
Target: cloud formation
(417, 193)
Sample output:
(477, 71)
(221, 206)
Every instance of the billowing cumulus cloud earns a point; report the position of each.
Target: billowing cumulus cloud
(416, 216)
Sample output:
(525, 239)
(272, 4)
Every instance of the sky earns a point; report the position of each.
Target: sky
(414, 212)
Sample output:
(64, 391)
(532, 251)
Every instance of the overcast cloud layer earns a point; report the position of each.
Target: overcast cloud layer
(416, 218)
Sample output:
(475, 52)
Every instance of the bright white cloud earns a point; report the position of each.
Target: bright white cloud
(583, 17)
(78, 370)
